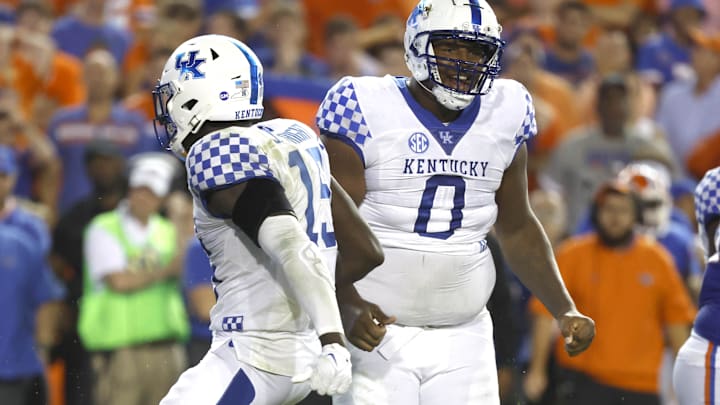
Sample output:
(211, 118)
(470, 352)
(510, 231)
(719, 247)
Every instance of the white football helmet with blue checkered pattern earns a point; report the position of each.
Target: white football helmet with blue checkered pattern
(473, 21)
(207, 78)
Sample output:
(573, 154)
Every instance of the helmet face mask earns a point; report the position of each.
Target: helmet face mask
(456, 46)
(165, 128)
(461, 64)
(207, 78)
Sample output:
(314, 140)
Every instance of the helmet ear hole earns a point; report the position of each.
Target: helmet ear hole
(189, 104)
(214, 54)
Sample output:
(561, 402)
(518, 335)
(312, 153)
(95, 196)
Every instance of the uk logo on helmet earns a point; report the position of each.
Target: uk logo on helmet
(189, 67)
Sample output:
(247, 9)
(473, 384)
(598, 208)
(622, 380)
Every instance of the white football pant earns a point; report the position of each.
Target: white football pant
(696, 377)
(452, 365)
(221, 379)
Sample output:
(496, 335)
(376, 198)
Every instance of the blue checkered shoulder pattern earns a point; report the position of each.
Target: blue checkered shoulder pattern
(222, 159)
(340, 114)
(528, 129)
(707, 196)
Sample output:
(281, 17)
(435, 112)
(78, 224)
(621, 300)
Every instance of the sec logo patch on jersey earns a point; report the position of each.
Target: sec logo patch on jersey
(418, 142)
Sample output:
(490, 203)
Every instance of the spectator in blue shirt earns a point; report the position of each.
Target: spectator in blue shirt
(567, 56)
(28, 292)
(666, 56)
(101, 118)
(11, 213)
(85, 30)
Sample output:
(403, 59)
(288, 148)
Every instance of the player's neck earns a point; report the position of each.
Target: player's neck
(428, 101)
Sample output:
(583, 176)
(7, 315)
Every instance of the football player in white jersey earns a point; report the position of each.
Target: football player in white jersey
(262, 212)
(696, 376)
(434, 161)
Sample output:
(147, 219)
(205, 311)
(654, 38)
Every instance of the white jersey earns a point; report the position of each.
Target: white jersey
(430, 189)
(430, 186)
(268, 327)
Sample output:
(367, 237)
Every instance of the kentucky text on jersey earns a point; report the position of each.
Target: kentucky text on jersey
(250, 113)
(430, 166)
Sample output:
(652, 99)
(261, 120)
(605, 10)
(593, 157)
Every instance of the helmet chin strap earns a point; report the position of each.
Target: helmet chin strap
(448, 98)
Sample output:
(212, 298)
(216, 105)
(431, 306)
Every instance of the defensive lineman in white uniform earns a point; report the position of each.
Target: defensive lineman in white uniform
(262, 212)
(434, 161)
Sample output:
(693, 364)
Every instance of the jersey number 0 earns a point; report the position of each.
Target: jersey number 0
(428, 199)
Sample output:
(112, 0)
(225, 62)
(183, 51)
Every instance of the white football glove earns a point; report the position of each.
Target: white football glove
(331, 374)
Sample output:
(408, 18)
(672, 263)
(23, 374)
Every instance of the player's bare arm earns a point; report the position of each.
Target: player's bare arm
(364, 321)
(532, 259)
(260, 209)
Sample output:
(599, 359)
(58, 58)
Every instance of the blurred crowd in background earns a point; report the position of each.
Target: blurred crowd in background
(627, 88)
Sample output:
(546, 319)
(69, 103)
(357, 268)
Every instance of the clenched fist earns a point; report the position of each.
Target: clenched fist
(578, 331)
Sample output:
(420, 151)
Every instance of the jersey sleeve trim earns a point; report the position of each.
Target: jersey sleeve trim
(340, 115)
(528, 128)
(220, 161)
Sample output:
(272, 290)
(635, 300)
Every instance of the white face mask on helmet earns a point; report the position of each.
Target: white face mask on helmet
(456, 81)
(207, 78)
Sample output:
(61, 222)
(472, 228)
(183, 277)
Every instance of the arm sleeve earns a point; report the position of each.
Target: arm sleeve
(340, 117)
(223, 159)
(309, 278)
(103, 253)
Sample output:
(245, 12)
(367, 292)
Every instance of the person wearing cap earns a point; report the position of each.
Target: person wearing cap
(666, 56)
(594, 154)
(696, 376)
(132, 318)
(628, 284)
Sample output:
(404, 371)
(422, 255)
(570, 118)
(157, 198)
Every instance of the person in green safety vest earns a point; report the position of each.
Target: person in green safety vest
(132, 316)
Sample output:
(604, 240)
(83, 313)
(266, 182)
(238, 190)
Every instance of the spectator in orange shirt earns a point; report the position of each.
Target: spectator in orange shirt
(627, 283)
(43, 77)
